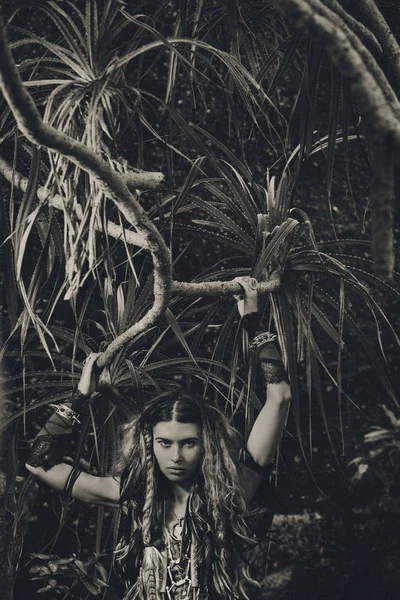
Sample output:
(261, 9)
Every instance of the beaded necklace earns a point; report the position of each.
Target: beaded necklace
(179, 582)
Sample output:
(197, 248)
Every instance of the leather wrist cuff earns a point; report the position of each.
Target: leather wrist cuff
(273, 370)
(47, 451)
(77, 398)
(251, 322)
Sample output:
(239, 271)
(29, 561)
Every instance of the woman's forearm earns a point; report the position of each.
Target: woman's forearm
(46, 463)
(46, 457)
(88, 488)
(267, 430)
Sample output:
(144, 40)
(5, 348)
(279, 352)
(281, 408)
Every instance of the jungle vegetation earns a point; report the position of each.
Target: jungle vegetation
(151, 152)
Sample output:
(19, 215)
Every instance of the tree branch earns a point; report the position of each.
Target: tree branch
(222, 288)
(336, 17)
(178, 288)
(378, 25)
(144, 180)
(57, 201)
(366, 36)
(31, 125)
(382, 200)
(378, 103)
(374, 105)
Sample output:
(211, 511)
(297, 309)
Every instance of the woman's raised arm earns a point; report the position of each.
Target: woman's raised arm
(45, 459)
(267, 430)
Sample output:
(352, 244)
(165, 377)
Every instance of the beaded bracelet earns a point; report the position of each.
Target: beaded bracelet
(261, 340)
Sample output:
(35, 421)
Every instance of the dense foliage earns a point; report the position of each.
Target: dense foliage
(269, 159)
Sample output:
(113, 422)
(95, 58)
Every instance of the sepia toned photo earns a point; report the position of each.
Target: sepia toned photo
(199, 294)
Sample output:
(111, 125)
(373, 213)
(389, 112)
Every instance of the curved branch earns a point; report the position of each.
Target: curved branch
(336, 17)
(366, 36)
(115, 185)
(374, 105)
(178, 288)
(31, 125)
(378, 103)
(378, 25)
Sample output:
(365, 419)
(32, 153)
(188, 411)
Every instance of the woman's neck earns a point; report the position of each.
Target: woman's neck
(181, 491)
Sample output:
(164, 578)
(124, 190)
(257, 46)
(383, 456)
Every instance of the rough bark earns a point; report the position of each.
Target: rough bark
(382, 200)
(366, 36)
(345, 48)
(144, 180)
(222, 288)
(390, 46)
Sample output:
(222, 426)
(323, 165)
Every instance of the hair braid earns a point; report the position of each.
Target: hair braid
(148, 506)
(151, 568)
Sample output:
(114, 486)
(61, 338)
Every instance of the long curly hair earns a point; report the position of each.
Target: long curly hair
(217, 508)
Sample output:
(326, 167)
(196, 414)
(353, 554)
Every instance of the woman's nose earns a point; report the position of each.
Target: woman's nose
(176, 453)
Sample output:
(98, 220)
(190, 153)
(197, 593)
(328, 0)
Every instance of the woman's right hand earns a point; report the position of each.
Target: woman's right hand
(88, 379)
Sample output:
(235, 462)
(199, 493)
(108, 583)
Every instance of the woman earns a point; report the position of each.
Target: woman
(186, 487)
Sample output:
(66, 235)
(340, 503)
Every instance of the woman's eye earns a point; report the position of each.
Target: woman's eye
(190, 444)
(164, 444)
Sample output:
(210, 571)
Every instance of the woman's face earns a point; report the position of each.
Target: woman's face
(178, 449)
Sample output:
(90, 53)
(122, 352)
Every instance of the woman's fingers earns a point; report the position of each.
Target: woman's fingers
(87, 382)
(247, 302)
(92, 357)
(248, 284)
(90, 361)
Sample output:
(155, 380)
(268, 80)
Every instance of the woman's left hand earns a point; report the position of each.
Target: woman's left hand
(87, 382)
(248, 302)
